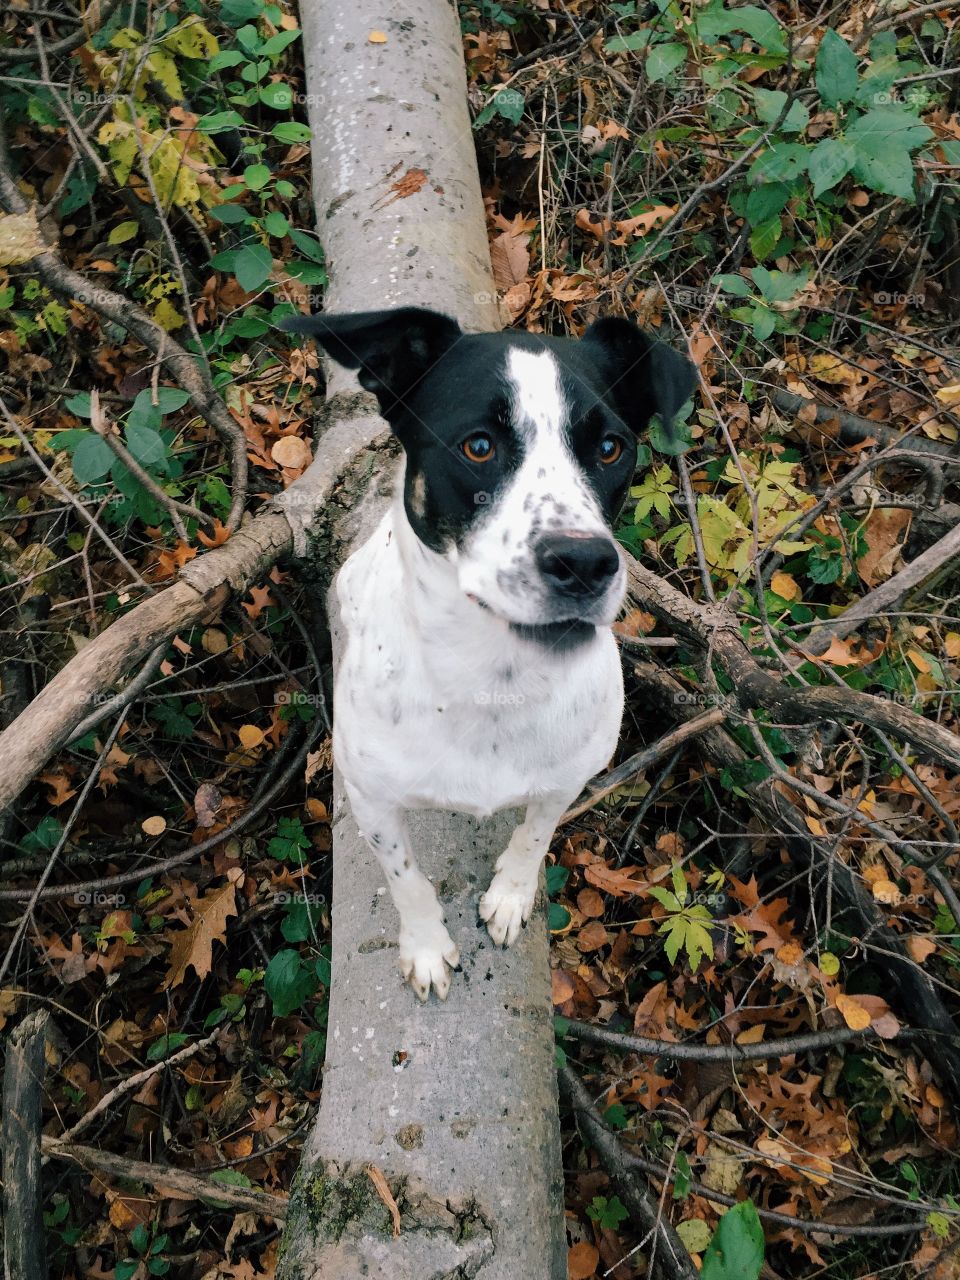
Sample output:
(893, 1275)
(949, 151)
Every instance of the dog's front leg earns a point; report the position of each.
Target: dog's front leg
(507, 904)
(426, 948)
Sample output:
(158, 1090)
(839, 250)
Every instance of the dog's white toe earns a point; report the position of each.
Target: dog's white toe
(506, 908)
(426, 958)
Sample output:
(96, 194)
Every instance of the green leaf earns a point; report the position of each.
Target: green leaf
(147, 447)
(123, 232)
(79, 404)
(770, 104)
(92, 459)
(734, 284)
(782, 163)
(681, 1176)
(557, 917)
(830, 161)
(756, 22)
(276, 224)
(252, 266)
(276, 44)
(669, 901)
(556, 877)
(736, 1250)
(256, 176)
(290, 131)
(220, 122)
(307, 272)
(166, 1045)
(628, 44)
(277, 94)
(288, 982)
(765, 238)
(763, 203)
(836, 70)
(307, 244)
(883, 140)
(764, 323)
(225, 58)
(664, 59)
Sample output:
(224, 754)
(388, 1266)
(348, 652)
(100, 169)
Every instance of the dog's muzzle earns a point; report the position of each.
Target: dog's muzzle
(579, 568)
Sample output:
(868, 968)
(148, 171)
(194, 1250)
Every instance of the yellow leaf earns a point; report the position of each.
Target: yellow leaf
(839, 655)
(250, 736)
(949, 394)
(934, 1096)
(828, 964)
(919, 660)
(19, 238)
(885, 891)
(192, 39)
(167, 315)
(951, 644)
(814, 825)
(214, 640)
(853, 1013)
(377, 37)
(154, 826)
(753, 1035)
(920, 948)
(785, 586)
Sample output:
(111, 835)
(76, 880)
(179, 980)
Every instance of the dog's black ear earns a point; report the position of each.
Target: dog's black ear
(645, 376)
(392, 350)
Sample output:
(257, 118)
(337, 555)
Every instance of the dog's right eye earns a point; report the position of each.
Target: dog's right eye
(478, 448)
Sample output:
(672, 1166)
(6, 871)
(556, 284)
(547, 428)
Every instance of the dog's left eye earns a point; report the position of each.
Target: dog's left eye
(478, 448)
(610, 449)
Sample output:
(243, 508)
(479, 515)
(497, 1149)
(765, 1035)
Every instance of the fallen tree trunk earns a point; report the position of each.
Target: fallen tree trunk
(447, 1110)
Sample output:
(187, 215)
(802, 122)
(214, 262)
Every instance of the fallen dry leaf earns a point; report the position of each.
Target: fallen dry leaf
(853, 1013)
(582, 1260)
(154, 826)
(193, 947)
(19, 238)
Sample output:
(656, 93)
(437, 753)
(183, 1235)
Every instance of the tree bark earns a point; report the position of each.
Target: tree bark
(454, 1104)
(24, 1251)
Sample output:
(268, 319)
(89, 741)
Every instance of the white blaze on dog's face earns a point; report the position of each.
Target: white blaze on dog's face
(540, 550)
(520, 450)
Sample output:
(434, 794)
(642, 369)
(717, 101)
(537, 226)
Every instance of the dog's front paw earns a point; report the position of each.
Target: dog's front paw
(506, 907)
(427, 954)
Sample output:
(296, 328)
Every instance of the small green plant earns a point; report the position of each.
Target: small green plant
(607, 1214)
(685, 926)
(290, 842)
(149, 1249)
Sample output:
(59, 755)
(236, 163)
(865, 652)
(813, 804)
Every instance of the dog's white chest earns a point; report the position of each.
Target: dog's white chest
(441, 706)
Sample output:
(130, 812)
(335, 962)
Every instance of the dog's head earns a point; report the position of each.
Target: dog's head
(520, 450)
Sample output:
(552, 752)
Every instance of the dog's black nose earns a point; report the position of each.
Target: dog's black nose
(577, 564)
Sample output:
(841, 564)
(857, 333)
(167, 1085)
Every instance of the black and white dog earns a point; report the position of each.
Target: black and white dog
(480, 671)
